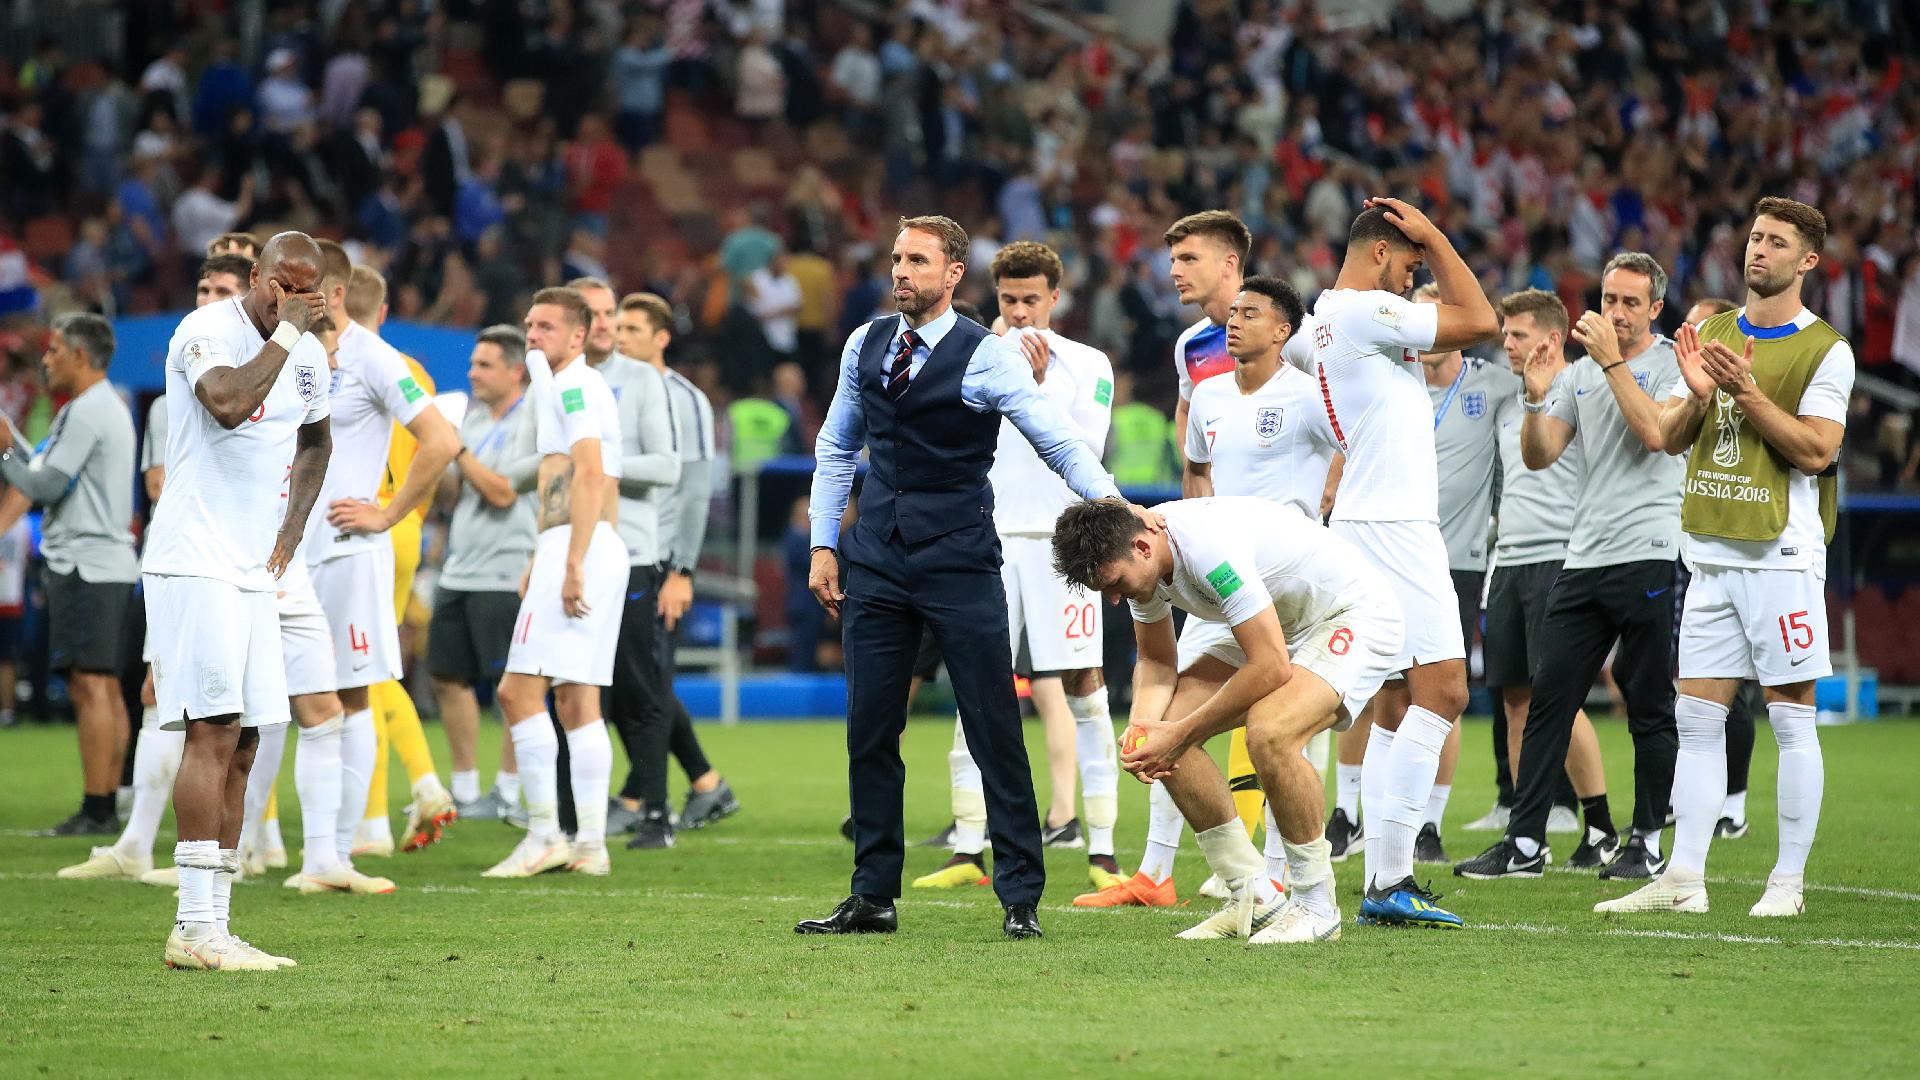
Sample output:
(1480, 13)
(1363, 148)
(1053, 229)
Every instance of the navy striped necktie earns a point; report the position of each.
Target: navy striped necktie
(902, 362)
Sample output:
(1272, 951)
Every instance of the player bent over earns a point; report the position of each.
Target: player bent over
(1319, 630)
(569, 621)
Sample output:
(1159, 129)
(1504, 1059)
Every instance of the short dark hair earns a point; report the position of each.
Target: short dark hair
(228, 239)
(953, 238)
(90, 334)
(511, 340)
(1371, 226)
(1809, 222)
(336, 267)
(239, 266)
(568, 299)
(1286, 300)
(967, 309)
(1026, 259)
(1548, 310)
(1089, 535)
(1218, 224)
(659, 313)
(1646, 266)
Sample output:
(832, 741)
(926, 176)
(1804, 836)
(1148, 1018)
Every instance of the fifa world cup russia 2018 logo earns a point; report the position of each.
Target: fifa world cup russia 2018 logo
(1727, 421)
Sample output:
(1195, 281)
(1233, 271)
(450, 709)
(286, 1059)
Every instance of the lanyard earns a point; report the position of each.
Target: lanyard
(499, 431)
(1446, 403)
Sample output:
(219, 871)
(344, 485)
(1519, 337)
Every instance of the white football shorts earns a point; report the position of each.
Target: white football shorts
(546, 641)
(1062, 624)
(216, 652)
(356, 592)
(1769, 625)
(1412, 556)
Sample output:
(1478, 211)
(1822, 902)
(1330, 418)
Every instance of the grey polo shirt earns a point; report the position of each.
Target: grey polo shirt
(84, 476)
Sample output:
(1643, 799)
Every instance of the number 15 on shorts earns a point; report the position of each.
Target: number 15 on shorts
(1795, 633)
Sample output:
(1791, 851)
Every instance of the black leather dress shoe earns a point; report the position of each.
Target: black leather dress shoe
(1022, 921)
(858, 915)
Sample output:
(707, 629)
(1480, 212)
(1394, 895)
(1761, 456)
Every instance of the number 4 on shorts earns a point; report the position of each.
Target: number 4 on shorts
(357, 640)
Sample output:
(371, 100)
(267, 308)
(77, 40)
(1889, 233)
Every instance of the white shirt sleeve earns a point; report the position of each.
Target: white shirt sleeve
(400, 394)
(1827, 395)
(202, 354)
(1223, 564)
(1153, 611)
(579, 418)
(1092, 410)
(1392, 320)
(321, 406)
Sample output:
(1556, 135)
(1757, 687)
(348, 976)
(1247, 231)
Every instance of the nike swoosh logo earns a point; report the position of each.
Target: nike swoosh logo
(1512, 865)
(1583, 393)
(1212, 421)
(1797, 663)
(1651, 593)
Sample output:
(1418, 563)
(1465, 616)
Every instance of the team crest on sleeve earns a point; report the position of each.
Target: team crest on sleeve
(1266, 422)
(308, 380)
(333, 383)
(1474, 404)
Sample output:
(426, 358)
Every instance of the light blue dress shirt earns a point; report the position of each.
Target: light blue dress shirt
(998, 379)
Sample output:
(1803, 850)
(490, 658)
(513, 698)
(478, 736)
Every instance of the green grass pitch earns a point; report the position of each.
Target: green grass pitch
(684, 963)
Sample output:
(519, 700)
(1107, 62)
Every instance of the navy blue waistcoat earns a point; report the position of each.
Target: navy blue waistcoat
(927, 453)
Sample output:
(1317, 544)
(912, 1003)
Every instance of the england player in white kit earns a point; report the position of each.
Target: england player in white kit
(1366, 338)
(1060, 625)
(1319, 630)
(1759, 410)
(569, 622)
(242, 403)
(349, 556)
(319, 774)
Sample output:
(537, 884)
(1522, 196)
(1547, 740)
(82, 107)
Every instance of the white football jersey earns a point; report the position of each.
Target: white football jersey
(1028, 495)
(1237, 556)
(572, 405)
(373, 389)
(1366, 347)
(1274, 443)
(223, 505)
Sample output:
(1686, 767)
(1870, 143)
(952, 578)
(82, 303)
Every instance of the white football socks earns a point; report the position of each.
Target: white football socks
(1410, 772)
(1230, 853)
(260, 779)
(1699, 781)
(317, 778)
(1373, 796)
(1310, 875)
(358, 748)
(1734, 808)
(466, 785)
(508, 785)
(1346, 785)
(223, 886)
(156, 760)
(1437, 805)
(1099, 767)
(537, 752)
(1803, 781)
(1318, 751)
(968, 794)
(590, 755)
(1274, 849)
(199, 861)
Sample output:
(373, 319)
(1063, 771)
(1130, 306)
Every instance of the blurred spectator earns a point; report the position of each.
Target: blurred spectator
(34, 172)
(855, 81)
(199, 215)
(595, 167)
(774, 298)
(761, 93)
(639, 76)
(748, 245)
(284, 101)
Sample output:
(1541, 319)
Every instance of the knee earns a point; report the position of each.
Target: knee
(1082, 683)
(1448, 701)
(1272, 740)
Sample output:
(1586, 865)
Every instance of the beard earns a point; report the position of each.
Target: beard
(919, 302)
(1765, 285)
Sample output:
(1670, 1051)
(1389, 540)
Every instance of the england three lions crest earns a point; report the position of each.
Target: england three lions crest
(308, 381)
(1474, 404)
(1266, 422)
